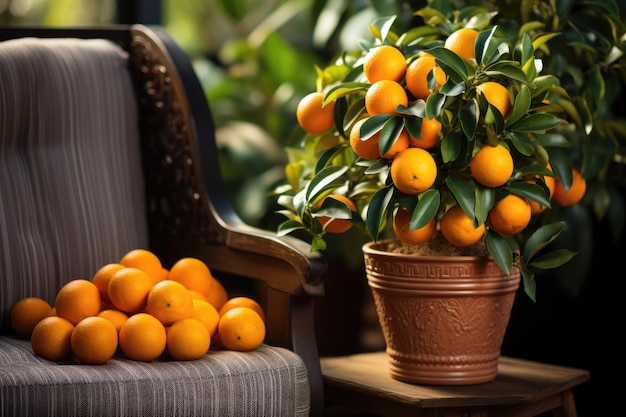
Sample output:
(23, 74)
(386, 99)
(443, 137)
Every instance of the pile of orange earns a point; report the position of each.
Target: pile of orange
(142, 311)
(396, 80)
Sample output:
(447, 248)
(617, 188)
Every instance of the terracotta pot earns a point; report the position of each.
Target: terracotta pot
(443, 317)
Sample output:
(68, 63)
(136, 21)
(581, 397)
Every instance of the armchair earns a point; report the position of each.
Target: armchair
(107, 144)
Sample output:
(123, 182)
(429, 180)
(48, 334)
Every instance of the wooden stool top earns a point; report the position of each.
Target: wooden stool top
(363, 381)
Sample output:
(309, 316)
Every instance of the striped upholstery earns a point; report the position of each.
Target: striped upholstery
(72, 200)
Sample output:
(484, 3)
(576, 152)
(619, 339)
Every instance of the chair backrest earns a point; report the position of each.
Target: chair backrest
(107, 144)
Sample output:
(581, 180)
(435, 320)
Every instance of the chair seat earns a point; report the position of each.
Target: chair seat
(219, 384)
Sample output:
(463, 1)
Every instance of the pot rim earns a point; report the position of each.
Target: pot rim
(376, 248)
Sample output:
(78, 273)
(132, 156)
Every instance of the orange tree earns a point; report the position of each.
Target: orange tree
(500, 140)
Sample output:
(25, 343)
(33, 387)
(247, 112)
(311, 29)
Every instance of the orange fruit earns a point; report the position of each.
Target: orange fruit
(458, 228)
(366, 149)
(241, 329)
(497, 95)
(384, 63)
(94, 340)
(196, 295)
(384, 96)
(492, 166)
(194, 274)
(102, 277)
(26, 313)
(429, 134)
(142, 337)
(218, 294)
(413, 171)
(575, 193)
(169, 301)
(417, 76)
(207, 314)
(77, 300)
(242, 301)
(510, 215)
(312, 116)
(128, 289)
(187, 340)
(337, 225)
(462, 43)
(51, 338)
(145, 260)
(403, 231)
(117, 317)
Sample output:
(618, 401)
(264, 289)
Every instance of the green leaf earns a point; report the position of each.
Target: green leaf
(485, 197)
(540, 239)
(343, 90)
(464, 193)
(530, 285)
(520, 106)
(329, 177)
(318, 244)
(451, 146)
(452, 64)
(289, 226)
(426, 209)
(469, 115)
(373, 125)
(531, 191)
(389, 134)
(413, 126)
(553, 259)
(482, 43)
(500, 250)
(539, 122)
(434, 104)
(380, 27)
(377, 210)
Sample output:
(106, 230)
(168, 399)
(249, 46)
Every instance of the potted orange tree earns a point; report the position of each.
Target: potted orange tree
(449, 145)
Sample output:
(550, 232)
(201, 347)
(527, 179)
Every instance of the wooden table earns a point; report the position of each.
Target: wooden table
(361, 383)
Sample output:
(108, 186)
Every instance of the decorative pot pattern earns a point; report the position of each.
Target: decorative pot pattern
(443, 317)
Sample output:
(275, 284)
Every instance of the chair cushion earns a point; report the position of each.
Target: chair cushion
(268, 381)
(71, 179)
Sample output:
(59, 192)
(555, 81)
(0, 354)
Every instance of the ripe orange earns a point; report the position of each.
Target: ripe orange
(417, 76)
(384, 63)
(187, 340)
(142, 337)
(146, 261)
(242, 301)
(194, 274)
(94, 340)
(384, 96)
(117, 317)
(208, 315)
(241, 329)
(337, 225)
(102, 277)
(492, 166)
(218, 294)
(497, 95)
(575, 193)
(402, 228)
(429, 135)
(26, 313)
(128, 289)
(462, 43)
(196, 295)
(413, 171)
(169, 301)
(312, 117)
(366, 149)
(78, 299)
(458, 228)
(51, 338)
(510, 215)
